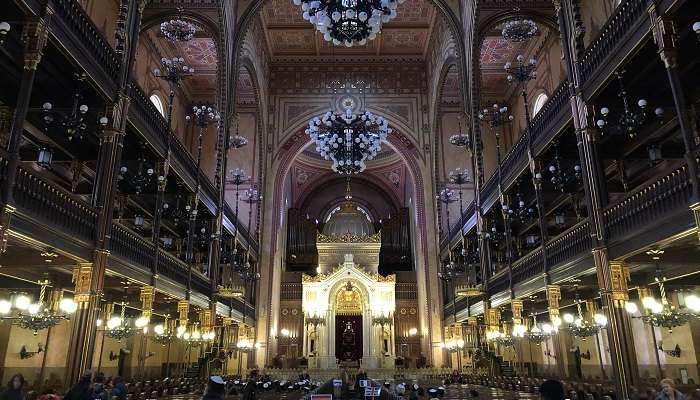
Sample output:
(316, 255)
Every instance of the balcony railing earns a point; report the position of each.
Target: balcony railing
(568, 245)
(644, 207)
(611, 36)
(80, 27)
(53, 206)
(131, 247)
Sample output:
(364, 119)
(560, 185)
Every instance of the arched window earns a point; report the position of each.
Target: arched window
(155, 99)
(539, 103)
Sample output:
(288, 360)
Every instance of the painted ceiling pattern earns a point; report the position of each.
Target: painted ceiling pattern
(288, 34)
(245, 89)
(199, 52)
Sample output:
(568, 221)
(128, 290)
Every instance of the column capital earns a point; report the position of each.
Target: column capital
(553, 297)
(619, 276)
(663, 30)
(183, 308)
(82, 279)
(517, 308)
(147, 295)
(34, 36)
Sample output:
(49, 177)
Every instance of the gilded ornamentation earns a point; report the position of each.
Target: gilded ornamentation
(553, 297)
(146, 297)
(82, 279)
(348, 301)
(620, 274)
(517, 308)
(349, 238)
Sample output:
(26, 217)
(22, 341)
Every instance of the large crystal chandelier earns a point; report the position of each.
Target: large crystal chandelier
(178, 30)
(348, 139)
(36, 316)
(348, 22)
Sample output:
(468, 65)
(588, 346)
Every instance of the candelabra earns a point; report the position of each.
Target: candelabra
(630, 119)
(446, 196)
(496, 118)
(173, 71)
(523, 212)
(520, 74)
(561, 177)
(238, 177)
(202, 117)
(142, 178)
(72, 124)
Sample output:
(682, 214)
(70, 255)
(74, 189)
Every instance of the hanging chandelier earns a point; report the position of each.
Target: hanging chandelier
(37, 316)
(142, 177)
(165, 332)
(630, 119)
(119, 328)
(580, 327)
(178, 30)
(348, 22)
(561, 178)
(538, 335)
(663, 314)
(72, 124)
(520, 30)
(500, 338)
(348, 139)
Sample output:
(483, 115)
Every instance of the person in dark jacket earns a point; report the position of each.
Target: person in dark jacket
(81, 390)
(119, 388)
(15, 388)
(216, 389)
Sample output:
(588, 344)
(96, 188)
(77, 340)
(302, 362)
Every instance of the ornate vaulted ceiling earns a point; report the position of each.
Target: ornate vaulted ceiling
(288, 35)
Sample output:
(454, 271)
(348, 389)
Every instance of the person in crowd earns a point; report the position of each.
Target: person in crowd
(118, 388)
(15, 389)
(473, 393)
(216, 389)
(99, 392)
(250, 388)
(552, 390)
(81, 390)
(669, 391)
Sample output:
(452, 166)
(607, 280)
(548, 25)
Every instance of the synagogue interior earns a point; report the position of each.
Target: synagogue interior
(484, 194)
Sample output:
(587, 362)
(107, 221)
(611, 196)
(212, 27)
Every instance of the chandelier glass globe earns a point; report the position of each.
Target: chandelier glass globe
(348, 139)
(348, 22)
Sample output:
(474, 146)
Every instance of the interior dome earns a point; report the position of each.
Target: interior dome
(348, 218)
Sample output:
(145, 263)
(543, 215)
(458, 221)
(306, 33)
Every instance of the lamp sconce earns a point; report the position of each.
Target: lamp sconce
(24, 353)
(113, 356)
(676, 352)
(586, 355)
(549, 354)
(149, 355)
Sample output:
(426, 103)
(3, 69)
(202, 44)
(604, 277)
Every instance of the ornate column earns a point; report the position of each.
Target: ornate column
(664, 30)
(594, 184)
(81, 340)
(553, 297)
(34, 36)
